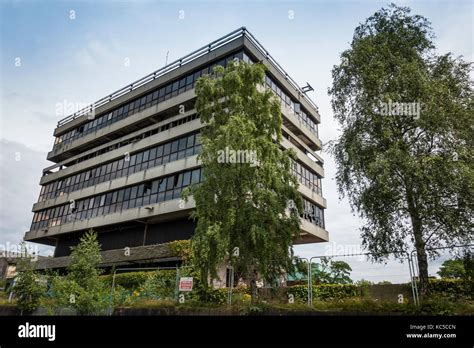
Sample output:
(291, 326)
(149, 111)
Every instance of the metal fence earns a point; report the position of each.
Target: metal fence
(394, 281)
(176, 287)
(436, 258)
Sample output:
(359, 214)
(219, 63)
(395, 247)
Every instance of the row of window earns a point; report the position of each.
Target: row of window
(139, 137)
(173, 89)
(185, 146)
(313, 213)
(149, 192)
(306, 177)
(303, 117)
(158, 95)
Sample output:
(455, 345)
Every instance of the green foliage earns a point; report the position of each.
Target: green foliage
(332, 272)
(85, 259)
(366, 305)
(384, 282)
(243, 204)
(128, 280)
(364, 286)
(160, 284)
(219, 296)
(181, 248)
(365, 282)
(324, 292)
(82, 289)
(256, 309)
(436, 306)
(410, 177)
(453, 289)
(28, 288)
(452, 269)
(327, 271)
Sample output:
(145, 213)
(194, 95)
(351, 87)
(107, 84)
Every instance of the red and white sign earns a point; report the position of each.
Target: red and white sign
(186, 284)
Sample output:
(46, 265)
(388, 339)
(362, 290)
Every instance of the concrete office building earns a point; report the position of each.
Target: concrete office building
(121, 164)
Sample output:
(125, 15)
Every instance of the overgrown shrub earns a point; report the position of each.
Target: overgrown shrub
(324, 292)
(129, 280)
(181, 248)
(160, 284)
(453, 289)
(28, 289)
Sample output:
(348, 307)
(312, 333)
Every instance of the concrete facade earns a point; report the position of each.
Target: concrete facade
(128, 204)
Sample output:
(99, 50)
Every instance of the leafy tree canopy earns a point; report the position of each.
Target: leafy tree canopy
(243, 204)
(405, 153)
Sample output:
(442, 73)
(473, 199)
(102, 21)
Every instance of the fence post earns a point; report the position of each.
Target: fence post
(310, 285)
(412, 278)
(415, 274)
(176, 290)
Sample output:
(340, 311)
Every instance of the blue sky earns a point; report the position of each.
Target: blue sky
(81, 59)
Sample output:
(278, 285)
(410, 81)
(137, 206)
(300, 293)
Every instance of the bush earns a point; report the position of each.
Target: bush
(129, 280)
(65, 293)
(436, 306)
(181, 248)
(28, 289)
(217, 296)
(335, 291)
(160, 284)
(324, 292)
(454, 289)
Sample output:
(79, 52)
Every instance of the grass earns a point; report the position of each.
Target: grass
(4, 299)
(241, 305)
(435, 306)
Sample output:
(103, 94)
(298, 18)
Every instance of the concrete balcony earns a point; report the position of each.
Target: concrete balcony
(156, 139)
(291, 121)
(312, 196)
(311, 233)
(158, 212)
(195, 60)
(136, 178)
(119, 128)
(303, 158)
(151, 173)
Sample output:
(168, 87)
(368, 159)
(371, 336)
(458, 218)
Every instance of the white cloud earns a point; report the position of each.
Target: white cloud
(20, 170)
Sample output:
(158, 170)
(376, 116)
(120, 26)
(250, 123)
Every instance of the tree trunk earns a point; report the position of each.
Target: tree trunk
(422, 267)
(420, 245)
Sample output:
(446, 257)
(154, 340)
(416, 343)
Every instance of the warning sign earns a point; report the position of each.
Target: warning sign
(186, 284)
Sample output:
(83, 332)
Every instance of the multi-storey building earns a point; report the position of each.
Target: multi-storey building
(121, 164)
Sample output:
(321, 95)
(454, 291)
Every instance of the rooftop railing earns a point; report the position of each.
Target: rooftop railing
(241, 32)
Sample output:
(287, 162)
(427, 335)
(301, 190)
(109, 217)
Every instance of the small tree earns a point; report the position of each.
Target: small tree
(242, 202)
(28, 288)
(83, 274)
(82, 288)
(331, 272)
(452, 269)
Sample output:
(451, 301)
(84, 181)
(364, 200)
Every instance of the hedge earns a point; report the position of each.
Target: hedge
(324, 291)
(219, 296)
(451, 288)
